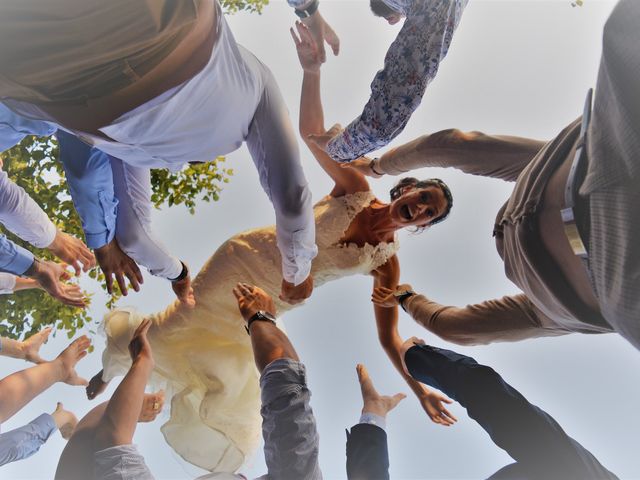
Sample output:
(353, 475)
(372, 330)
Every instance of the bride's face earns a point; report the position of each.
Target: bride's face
(418, 207)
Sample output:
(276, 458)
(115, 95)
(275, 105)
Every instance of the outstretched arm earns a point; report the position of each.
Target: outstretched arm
(387, 323)
(396, 91)
(312, 115)
(20, 388)
(507, 319)
(476, 153)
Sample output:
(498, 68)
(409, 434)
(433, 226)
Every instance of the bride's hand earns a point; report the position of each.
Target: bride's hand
(433, 404)
(308, 51)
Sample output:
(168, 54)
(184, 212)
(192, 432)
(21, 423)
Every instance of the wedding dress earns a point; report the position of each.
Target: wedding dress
(203, 356)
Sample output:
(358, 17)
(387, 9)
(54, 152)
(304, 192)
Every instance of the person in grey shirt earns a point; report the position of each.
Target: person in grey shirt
(20, 388)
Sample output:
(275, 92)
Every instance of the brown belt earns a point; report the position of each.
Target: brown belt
(569, 213)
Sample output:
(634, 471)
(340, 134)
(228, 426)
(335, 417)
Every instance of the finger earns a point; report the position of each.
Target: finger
(137, 272)
(133, 279)
(44, 334)
(88, 260)
(67, 300)
(109, 281)
(398, 397)
(122, 284)
(146, 325)
(449, 415)
(77, 267)
(296, 40)
(237, 293)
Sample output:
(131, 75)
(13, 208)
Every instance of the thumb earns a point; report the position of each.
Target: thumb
(446, 400)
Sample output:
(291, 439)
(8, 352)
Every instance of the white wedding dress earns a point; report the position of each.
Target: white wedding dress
(203, 355)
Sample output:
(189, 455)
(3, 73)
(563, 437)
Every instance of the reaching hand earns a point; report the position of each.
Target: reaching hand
(432, 403)
(385, 297)
(96, 386)
(295, 294)
(65, 421)
(322, 140)
(50, 277)
(72, 251)
(184, 291)
(362, 165)
(322, 32)
(373, 402)
(308, 51)
(68, 359)
(151, 406)
(252, 299)
(31, 346)
(113, 261)
(139, 347)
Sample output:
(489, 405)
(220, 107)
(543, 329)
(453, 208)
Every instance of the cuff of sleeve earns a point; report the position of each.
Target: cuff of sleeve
(298, 276)
(48, 237)
(21, 261)
(45, 425)
(7, 283)
(97, 240)
(373, 419)
(338, 148)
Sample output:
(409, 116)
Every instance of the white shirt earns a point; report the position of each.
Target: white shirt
(21, 215)
(7, 283)
(205, 117)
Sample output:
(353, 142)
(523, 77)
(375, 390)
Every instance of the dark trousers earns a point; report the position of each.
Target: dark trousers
(540, 447)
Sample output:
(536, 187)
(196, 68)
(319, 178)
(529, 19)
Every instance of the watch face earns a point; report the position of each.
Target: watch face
(267, 315)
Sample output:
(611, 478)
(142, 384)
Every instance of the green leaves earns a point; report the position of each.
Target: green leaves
(33, 165)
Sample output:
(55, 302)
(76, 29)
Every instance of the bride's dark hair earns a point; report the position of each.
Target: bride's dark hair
(397, 191)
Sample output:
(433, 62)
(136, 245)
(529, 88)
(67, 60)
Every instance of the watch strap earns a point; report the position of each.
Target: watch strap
(259, 316)
(310, 10)
(403, 297)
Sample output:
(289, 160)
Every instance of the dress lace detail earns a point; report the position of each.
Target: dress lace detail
(203, 355)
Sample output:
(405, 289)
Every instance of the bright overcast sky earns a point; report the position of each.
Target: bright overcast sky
(514, 67)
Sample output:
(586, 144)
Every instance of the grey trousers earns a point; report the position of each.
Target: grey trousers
(288, 425)
(612, 182)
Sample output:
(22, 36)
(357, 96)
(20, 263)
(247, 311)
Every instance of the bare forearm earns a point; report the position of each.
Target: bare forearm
(25, 284)
(270, 343)
(311, 112)
(20, 388)
(120, 418)
(11, 348)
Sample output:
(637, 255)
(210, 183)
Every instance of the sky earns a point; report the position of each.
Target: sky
(514, 67)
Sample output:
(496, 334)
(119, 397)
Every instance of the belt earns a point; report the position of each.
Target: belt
(571, 190)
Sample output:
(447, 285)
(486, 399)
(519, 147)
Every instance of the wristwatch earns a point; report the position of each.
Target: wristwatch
(402, 295)
(184, 273)
(310, 10)
(260, 316)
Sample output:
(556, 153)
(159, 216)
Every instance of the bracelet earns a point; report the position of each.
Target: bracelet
(183, 274)
(371, 165)
(310, 10)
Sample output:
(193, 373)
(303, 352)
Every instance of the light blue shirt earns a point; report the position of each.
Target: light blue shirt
(23, 442)
(89, 177)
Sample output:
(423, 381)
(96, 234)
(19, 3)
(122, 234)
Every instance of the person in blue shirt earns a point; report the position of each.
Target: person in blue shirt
(113, 201)
(18, 389)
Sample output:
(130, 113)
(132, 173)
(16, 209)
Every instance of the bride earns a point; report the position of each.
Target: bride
(203, 355)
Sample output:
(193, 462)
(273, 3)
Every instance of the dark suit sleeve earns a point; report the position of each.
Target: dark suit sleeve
(367, 454)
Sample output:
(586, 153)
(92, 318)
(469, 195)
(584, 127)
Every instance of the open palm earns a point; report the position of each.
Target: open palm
(308, 51)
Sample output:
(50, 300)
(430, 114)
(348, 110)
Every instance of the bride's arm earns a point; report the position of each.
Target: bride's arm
(312, 116)
(388, 276)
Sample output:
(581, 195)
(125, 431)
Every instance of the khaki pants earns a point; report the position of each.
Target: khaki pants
(72, 51)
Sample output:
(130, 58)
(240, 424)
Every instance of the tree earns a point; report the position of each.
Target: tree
(33, 165)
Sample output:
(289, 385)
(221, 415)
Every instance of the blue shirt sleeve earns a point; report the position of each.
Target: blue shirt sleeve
(23, 442)
(13, 258)
(90, 181)
(13, 128)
